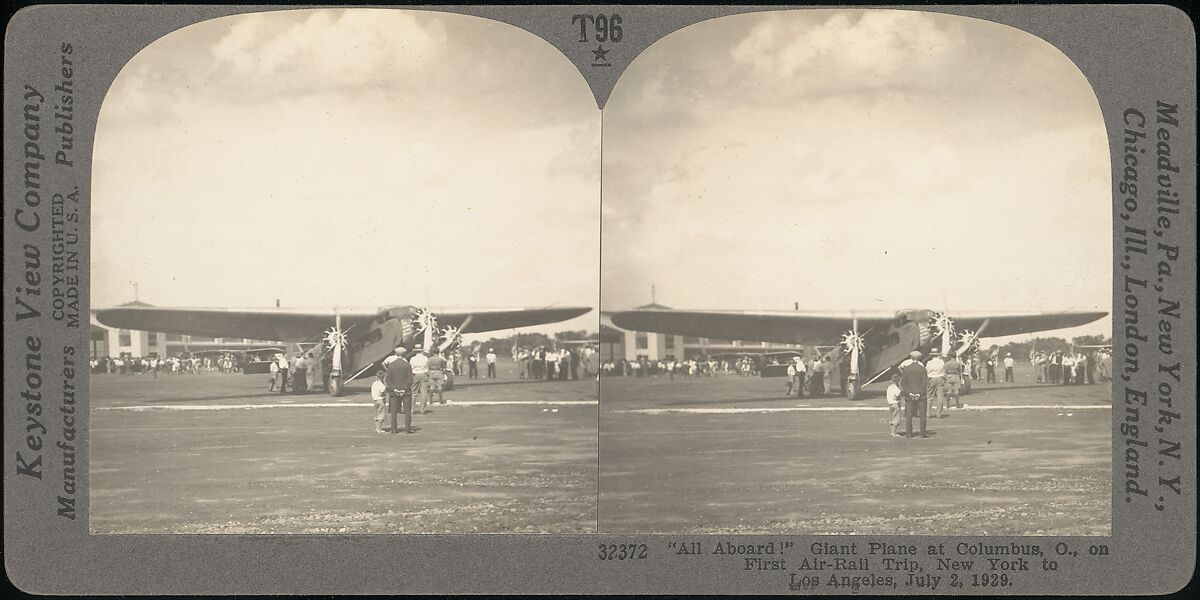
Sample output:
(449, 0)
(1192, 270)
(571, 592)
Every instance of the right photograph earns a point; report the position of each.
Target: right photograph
(856, 279)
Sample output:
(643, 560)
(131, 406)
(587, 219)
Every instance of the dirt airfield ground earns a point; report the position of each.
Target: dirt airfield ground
(184, 454)
(734, 455)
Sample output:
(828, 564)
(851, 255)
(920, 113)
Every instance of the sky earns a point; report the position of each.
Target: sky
(348, 158)
(857, 159)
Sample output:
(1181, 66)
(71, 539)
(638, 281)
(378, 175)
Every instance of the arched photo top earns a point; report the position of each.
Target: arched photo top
(822, 157)
(317, 148)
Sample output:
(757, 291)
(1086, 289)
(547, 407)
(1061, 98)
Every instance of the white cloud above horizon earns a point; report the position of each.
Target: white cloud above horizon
(868, 159)
(348, 157)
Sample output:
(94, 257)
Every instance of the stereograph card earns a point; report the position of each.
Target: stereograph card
(600, 299)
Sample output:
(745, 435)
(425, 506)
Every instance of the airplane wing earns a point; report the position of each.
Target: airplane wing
(295, 325)
(250, 323)
(999, 325)
(493, 320)
(788, 328)
(811, 329)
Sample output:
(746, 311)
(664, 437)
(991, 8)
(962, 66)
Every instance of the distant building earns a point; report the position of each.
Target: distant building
(617, 343)
(111, 341)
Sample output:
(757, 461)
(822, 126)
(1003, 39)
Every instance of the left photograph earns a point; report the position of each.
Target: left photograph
(344, 266)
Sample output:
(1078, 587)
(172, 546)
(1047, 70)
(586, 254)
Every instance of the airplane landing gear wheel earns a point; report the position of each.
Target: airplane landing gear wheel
(852, 389)
(333, 384)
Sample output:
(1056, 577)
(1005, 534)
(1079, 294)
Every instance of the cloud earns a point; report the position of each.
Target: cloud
(348, 157)
(876, 49)
(830, 155)
(331, 49)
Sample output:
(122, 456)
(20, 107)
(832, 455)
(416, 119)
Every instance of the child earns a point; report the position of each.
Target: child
(893, 400)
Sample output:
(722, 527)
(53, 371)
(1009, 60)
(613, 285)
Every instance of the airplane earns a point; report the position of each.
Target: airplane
(884, 342)
(349, 341)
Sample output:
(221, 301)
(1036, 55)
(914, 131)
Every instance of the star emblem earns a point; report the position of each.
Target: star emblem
(601, 53)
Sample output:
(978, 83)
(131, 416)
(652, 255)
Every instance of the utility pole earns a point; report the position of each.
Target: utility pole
(135, 290)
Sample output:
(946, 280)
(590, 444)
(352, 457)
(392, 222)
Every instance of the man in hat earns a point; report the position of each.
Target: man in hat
(420, 371)
(274, 373)
(935, 390)
(791, 377)
(801, 372)
(399, 383)
(282, 361)
(437, 378)
(1008, 368)
(299, 374)
(491, 363)
(913, 382)
(816, 377)
(955, 372)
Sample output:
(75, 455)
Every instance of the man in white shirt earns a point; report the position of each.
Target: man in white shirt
(801, 372)
(491, 363)
(379, 395)
(420, 370)
(791, 378)
(274, 375)
(1068, 369)
(1008, 368)
(935, 390)
(282, 361)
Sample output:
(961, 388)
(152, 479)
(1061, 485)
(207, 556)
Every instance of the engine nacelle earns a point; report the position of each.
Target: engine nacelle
(406, 317)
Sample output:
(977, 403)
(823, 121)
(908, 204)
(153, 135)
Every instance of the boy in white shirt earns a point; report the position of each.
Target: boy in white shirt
(379, 395)
(893, 400)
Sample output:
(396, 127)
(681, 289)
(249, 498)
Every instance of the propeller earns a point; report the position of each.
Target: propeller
(336, 338)
(969, 340)
(426, 321)
(945, 326)
(453, 336)
(853, 343)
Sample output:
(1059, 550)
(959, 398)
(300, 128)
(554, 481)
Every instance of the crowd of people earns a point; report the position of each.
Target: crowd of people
(303, 373)
(562, 364)
(1071, 368)
(125, 364)
(919, 389)
(805, 375)
(670, 367)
